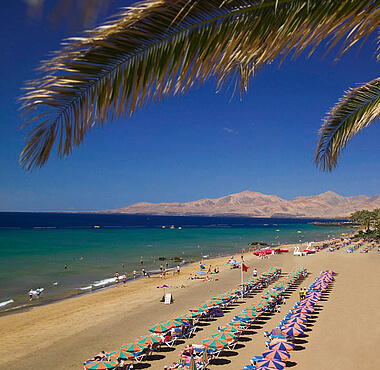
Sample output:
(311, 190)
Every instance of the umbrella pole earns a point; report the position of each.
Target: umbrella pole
(241, 278)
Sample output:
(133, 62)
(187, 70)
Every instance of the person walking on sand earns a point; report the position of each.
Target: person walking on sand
(254, 272)
(178, 269)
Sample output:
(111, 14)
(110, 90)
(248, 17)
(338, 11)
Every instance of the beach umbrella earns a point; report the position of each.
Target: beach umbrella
(293, 332)
(282, 346)
(148, 340)
(238, 324)
(295, 325)
(214, 343)
(229, 329)
(205, 357)
(192, 365)
(275, 354)
(224, 336)
(187, 316)
(133, 347)
(198, 310)
(159, 328)
(272, 364)
(121, 353)
(304, 310)
(298, 320)
(206, 305)
(172, 323)
(101, 365)
(301, 315)
(246, 315)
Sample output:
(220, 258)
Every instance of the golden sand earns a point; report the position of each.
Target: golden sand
(344, 335)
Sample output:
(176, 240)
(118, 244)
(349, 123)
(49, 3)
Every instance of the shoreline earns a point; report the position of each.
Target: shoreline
(153, 274)
(111, 317)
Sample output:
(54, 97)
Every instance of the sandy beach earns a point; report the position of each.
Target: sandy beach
(344, 334)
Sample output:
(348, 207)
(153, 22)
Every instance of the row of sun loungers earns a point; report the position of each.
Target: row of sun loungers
(167, 333)
(281, 338)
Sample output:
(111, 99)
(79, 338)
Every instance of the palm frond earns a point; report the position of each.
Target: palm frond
(162, 47)
(357, 109)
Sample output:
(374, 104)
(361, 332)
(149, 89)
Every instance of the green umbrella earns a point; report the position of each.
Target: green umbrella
(101, 365)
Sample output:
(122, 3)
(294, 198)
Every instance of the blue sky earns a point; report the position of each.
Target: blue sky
(199, 145)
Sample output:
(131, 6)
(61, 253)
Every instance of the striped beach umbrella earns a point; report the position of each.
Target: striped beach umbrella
(229, 329)
(275, 354)
(295, 325)
(304, 310)
(148, 340)
(224, 336)
(172, 323)
(302, 315)
(199, 310)
(192, 365)
(159, 328)
(121, 353)
(205, 358)
(101, 365)
(298, 320)
(292, 332)
(188, 316)
(272, 364)
(282, 346)
(133, 347)
(214, 343)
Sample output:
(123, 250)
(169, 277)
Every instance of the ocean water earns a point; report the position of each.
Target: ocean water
(35, 247)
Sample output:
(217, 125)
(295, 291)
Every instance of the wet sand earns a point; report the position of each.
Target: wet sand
(343, 335)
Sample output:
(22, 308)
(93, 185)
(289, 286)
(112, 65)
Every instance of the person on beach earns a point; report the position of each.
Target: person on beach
(178, 269)
(161, 267)
(38, 291)
(124, 279)
(163, 273)
(134, 274)
(116, 276)
(31, 292)
(254, 272)
(143, 272)
(141, 260)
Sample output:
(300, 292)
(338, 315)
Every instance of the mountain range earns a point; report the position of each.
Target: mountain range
(254, 204)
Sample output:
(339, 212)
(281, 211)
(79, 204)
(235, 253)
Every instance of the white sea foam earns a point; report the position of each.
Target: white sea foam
(2, 304)
(86, 287)
(105, 282)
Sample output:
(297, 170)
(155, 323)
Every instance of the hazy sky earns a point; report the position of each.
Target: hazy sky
(199, 145)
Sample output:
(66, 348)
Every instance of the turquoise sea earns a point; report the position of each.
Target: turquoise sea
(36, 247)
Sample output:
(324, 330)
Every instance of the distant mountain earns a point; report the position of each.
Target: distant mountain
(254, 204)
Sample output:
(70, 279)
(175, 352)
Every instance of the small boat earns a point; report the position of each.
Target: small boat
(172, 227)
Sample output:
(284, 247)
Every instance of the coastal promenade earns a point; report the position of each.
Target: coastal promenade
(344, 336)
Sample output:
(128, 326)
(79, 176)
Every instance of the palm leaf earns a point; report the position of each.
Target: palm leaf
(357, 109)
(159, 48)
